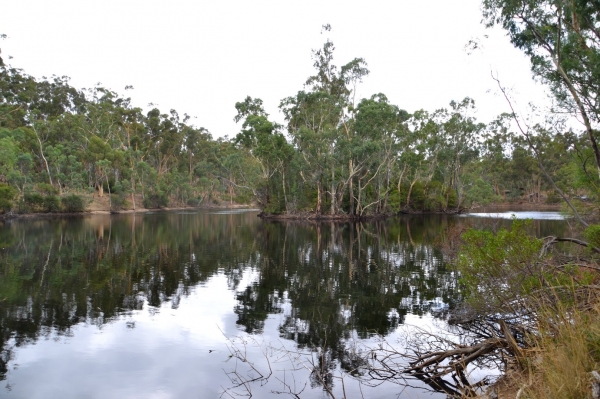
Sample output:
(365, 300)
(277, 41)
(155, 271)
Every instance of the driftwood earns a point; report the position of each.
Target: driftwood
(444, 362)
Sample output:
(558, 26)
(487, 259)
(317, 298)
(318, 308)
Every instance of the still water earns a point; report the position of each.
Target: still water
(152, 305)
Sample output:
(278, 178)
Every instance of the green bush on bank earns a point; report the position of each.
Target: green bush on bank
(119, 202)
(37, 203)
(553, 302)
(157, 200)
(495, 266)
(7, 193)
(52, 204)
(73, 203)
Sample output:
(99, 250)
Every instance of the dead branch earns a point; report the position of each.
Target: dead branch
(551, 240)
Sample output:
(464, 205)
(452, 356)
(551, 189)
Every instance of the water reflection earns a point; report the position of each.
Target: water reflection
(518, 215)
(328, 282)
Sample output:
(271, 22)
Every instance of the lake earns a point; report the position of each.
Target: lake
(167, 305)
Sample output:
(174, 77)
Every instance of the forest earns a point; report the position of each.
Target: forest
(336, 155)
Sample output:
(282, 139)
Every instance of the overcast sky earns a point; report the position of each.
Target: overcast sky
(201, 57)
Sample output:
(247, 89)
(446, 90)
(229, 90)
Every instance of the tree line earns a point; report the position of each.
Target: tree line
(335, 155)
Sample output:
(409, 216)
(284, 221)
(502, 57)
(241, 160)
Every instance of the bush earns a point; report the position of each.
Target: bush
(417, 196)
(73, 203)
(156, 201)
(195, 201)
(452, 197)
(118, 202)
(553, 198)
(22, 207)
(47, 189)
(34, 201)
(495, 268)
(7, 193)
(52, 203)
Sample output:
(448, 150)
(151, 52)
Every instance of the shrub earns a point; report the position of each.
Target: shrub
(157, 200)
(592, 234)
(47, 189)
(73, 203)
(52, 203)
(571, 350)
(553, 198)
(22, 207)
(195, 201)
(417, 196)
(34, 201)
(452, 198)
(496, 268)
(118, 202)
(7, 193)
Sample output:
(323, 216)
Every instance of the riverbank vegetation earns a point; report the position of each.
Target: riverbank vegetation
(530, 304)
(336, 155)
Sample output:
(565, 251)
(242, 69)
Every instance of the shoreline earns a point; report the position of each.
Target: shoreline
(91, 212)
(308, 216)
(311, 216)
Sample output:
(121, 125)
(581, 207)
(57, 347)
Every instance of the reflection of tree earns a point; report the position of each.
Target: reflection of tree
(58, 273)
(342, 279)
(334, 280)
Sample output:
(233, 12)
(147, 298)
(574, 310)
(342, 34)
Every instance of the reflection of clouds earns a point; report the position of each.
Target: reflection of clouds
(165, 356)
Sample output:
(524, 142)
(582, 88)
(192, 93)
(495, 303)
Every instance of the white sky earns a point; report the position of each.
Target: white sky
(201, 57)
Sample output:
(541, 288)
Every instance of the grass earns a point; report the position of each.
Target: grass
(569, 349)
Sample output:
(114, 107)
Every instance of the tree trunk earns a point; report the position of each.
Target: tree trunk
(109, 196)
(351, 186)
(319, 209)
(284, 190)
(333, 196)
(43, 157)
(409, 193)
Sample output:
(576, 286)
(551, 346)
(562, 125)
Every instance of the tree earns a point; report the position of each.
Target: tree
(315, 119)
(265, 143)
(562, 39)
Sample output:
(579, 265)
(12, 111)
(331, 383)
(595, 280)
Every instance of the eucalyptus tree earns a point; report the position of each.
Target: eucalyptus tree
(375, 147)
(562, 39)
(166, 139)
(316, 118)
(460, 136)
(419, 159)
(267, 145)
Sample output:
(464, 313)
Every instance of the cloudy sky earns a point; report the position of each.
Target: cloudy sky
(200, 57)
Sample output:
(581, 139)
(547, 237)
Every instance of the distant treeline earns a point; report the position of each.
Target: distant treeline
(336, 154)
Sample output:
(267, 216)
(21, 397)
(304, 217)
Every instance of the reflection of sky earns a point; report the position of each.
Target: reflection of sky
(535, 215)
(166, 354)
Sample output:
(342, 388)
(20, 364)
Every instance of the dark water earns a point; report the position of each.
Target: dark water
(151, 305)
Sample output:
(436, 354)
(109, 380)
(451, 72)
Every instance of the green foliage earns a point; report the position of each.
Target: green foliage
(73, 203)
(7, 193)
(157, 200)
(52, 204)
(197, 201)
(334, 155)
(592, 234)
(481, 193)
(119, 202)
(34, 201)
(496, 268)
(47, 189)
(451, 198)
(553, 198)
